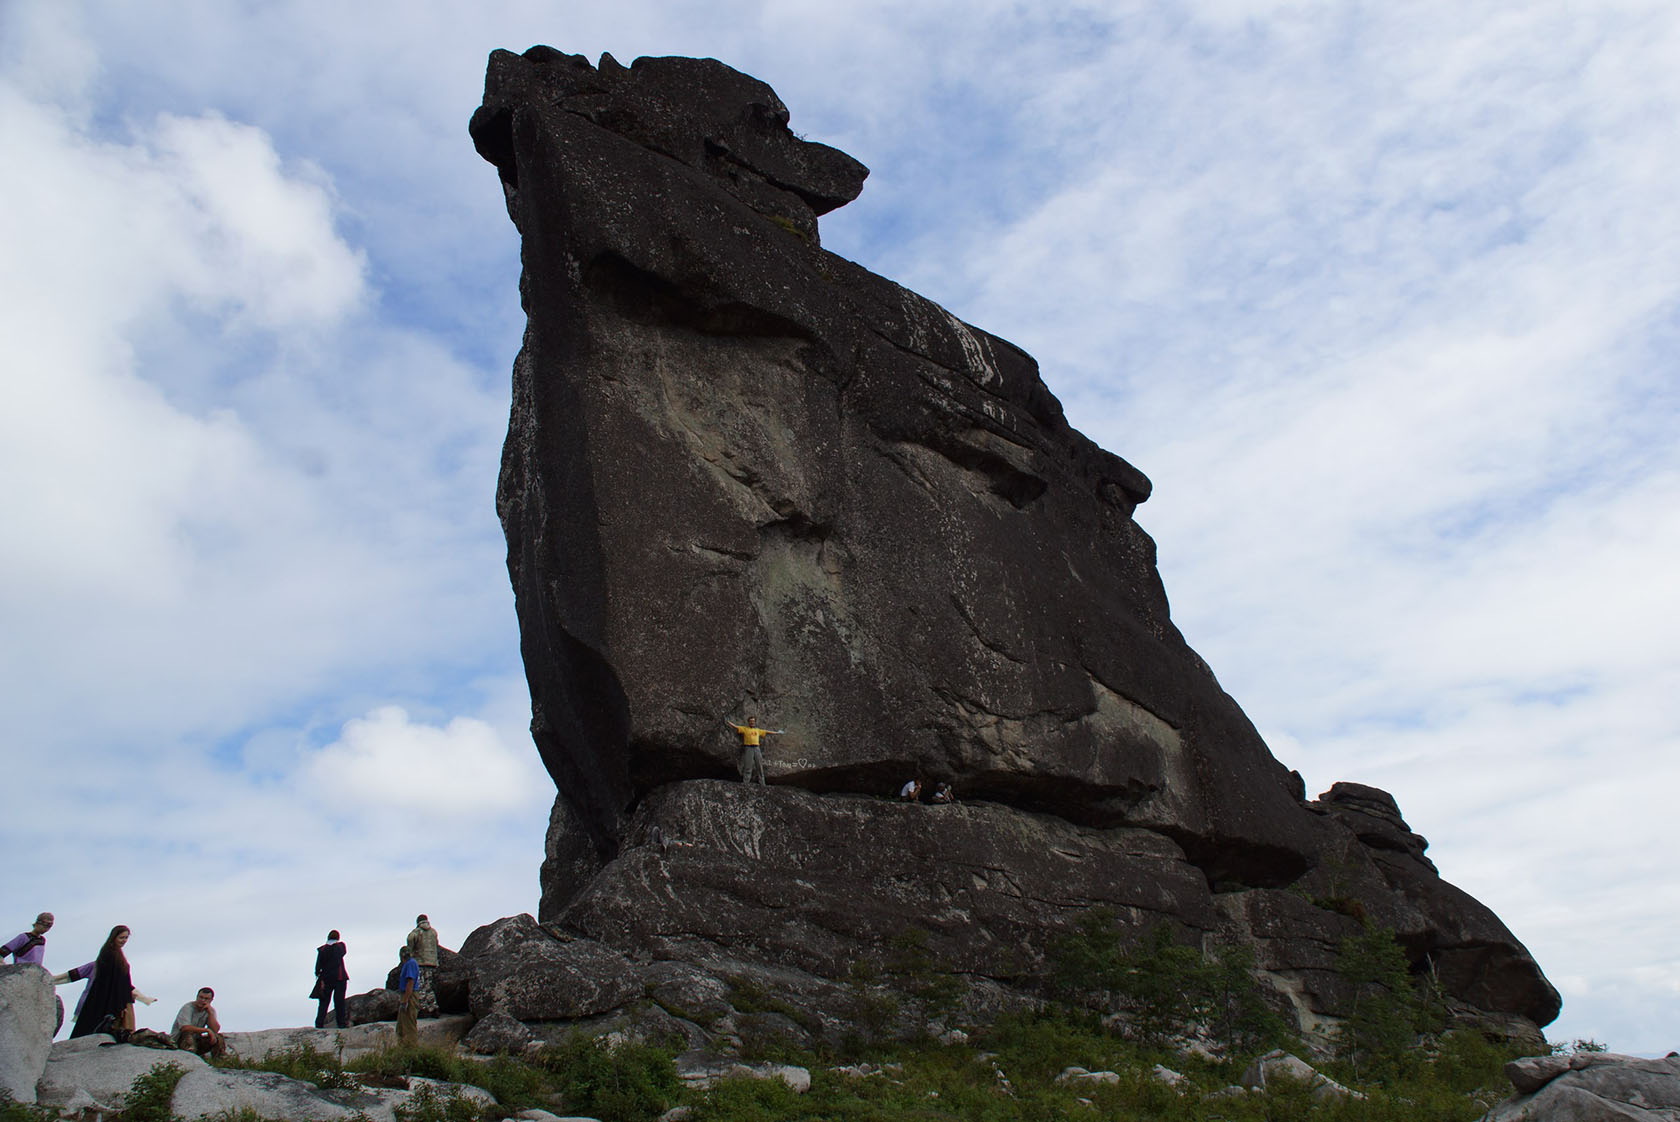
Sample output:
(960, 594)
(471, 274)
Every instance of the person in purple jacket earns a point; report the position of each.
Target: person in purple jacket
(31, 946)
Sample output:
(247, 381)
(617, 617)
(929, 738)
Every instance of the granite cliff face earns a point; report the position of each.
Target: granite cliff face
(744, 476)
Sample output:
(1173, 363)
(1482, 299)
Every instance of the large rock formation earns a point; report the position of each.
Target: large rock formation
(1591, 1087)
(744, 476)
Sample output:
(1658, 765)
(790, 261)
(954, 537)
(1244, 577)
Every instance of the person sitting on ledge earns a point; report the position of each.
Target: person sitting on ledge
(911, 792)
(752, 756)
(943, 794)
(196, 1027)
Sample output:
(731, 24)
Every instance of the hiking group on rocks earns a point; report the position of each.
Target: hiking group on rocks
(107, 1003)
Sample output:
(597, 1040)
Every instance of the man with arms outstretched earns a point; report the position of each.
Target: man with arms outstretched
(752, 756)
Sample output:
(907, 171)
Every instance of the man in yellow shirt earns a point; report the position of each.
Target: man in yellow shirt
(752, 756)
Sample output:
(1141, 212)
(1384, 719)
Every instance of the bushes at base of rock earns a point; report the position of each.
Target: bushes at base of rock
(626, 1083)
(1159, 989)
(13, 1111)
(304, 1063)
(150, 1098)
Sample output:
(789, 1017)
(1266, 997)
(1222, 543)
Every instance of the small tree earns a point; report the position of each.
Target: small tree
(1164, 988)
(1384, 1021)
(918, 973)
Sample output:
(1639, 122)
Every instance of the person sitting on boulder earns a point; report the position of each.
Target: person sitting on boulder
(911, 792)
(752, 756)
(196, 1027)
(31, 946)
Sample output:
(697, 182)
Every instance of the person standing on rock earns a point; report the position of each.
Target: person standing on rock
(330, 980)
(408, 986)
(108, 1001)
(423, 945)
(31, 945)
(196, 1027)
(752, 755)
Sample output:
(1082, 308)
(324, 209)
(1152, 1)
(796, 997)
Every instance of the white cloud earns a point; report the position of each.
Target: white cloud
(460, 770)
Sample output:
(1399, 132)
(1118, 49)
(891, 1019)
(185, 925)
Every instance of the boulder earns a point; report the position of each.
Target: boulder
(1278, 1064)
(746, 476)
(373, 1006)
(498, 1032)
(531, 974)
(1591, 1087)
(26, 1028)
(1078, 1076)
(700, 1070)
(209, 1092)
(95, 1069)
(686, 991)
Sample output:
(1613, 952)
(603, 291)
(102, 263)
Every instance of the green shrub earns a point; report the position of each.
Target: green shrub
(749, 1100)
(13, 1111)
(303, 1063)
(427, 1105)
(912, 969)
(149, 1098)
(516, 1085)
(412, 1059)
(629, 1083)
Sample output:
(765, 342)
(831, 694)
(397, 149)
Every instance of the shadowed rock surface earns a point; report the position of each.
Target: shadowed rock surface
(744, 476)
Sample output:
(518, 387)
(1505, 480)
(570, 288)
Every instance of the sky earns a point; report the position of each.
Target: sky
(1385, 299)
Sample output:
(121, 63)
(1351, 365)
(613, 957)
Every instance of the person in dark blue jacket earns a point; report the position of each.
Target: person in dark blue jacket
(330, 980)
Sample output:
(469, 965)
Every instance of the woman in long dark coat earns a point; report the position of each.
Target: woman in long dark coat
(330, 979)
(110, 991)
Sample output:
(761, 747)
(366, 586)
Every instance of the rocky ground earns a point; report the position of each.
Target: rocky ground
(92, 1077)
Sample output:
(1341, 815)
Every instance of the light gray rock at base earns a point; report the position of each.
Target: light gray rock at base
(701, 1072)
(1279, 1064)
(26, 1028)
(97, 1069)
(212, 1093)
(1079, 1076)
(1165, 1074)
(208, 1092)
(347, 1043)
(1591, 1087)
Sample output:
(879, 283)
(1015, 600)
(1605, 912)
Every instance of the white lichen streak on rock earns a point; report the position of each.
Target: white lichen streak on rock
(980, 363)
